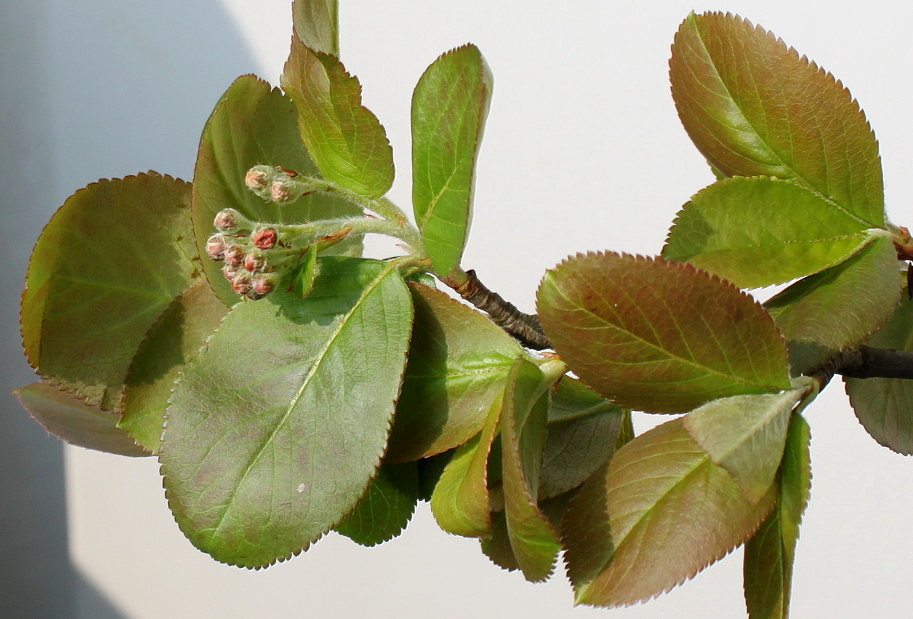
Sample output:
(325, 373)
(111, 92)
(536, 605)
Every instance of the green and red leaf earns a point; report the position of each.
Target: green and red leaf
(755, 107)
(657, 335)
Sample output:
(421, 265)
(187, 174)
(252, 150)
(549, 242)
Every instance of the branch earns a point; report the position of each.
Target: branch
(866, 362)
(525, 328)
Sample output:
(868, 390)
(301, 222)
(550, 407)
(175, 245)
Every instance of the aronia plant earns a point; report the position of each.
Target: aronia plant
(289, 386)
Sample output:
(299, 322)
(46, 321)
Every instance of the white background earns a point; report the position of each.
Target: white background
(583, 151)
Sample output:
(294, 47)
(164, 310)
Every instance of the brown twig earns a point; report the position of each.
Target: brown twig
(525, 328)
(866, 362)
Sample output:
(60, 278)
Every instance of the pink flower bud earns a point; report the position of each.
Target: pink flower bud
(261, 285)
(215, 247)
(279, 191)
(225, 220)
(241, 282)
(255, 179)
(229, 272)
(234, 255)
(264, 238)
(254, 261)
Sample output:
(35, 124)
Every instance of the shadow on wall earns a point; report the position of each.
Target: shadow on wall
(90, 89)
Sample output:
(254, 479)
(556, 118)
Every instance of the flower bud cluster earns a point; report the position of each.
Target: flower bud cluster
(277, 184)
(245, 253)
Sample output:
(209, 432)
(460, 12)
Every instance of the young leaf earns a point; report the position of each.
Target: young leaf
(344, 138)
(386, 507)
(583, 429)
(534, 540)
(761, 231)
(656, 335)
(754, 107)
(316, 24)
(170, 344)
(458, 362)
(769, 554)
(839, 307)
(497, 546)
(745, 435)
(662, 512)
(254, 124)
(106, 266)
(883, 405)
(449, 107)
(75, 422)
(276, 429)
(460, 502)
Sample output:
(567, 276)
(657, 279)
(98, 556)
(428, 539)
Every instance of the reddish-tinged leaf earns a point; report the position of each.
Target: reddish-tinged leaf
(106, 266)
(76, 422)
(657, 335)
(754, 107)
(316, 24)
(662, 513)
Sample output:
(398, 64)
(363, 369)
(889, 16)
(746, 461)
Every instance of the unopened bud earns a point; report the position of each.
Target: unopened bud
(215, 246)
(234, 255)
(264, 238)
(241, 282)
(255, 179)
(279, 191)
(254, 261)
(226, 220)
(229, 272)
(261, 285)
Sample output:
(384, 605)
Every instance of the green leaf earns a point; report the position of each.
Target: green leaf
(75, 422)
(254, 124)
(316, 24)
(583, 429)
(837, 308)
(460, 502)
(883, 405)
(430, 470)
(769, 554)
(175, 339)
(386, 508)
(449, 108)
(276, 429)
(745, 434)
(458, 362)
(662, 512)
(754, 107)
(344, 138)
(656, 335)
(107, 265)
(523, 426)
(762, 231)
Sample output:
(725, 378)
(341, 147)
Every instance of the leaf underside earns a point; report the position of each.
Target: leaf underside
(75, 422)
